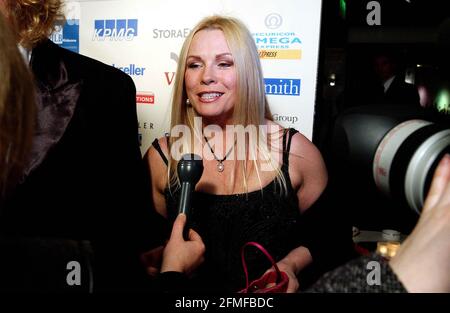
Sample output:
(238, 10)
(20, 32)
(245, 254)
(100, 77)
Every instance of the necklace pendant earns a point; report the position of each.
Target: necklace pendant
(220, 167)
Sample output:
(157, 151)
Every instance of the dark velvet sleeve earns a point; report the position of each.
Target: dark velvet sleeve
(172, 282)
(130, 226)
(356, 276)
(45, 265)
(324, 229)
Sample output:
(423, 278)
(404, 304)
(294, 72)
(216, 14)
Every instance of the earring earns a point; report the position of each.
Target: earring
(188, 102)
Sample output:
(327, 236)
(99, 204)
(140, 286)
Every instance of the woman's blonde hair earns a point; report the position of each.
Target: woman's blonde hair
(33, 20)
(251, 107)
(16, 109)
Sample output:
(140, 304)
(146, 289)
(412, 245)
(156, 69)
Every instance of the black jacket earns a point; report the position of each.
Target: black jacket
(86, 178)
(401, 93)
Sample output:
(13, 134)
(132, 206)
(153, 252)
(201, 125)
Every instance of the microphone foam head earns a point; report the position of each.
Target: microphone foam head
(190, 168)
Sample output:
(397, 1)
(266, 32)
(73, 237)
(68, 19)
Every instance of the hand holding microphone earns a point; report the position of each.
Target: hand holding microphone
(185, 249)
(181, 255)
(181, 247)
(189, 169)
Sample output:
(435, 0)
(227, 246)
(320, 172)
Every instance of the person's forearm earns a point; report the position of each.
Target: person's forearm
(297, 259)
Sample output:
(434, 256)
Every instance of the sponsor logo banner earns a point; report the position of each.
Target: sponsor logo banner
(118, 30)
(294, 54)
(273, 21)
(145, 125)
(170, 33)
(68, 35)
(276, 40)
(276, 43)
(145, 98)
(282, 86)
(292, 119)
(131, 69)
(171, 75)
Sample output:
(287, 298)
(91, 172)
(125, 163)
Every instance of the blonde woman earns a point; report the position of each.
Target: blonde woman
(255, 184)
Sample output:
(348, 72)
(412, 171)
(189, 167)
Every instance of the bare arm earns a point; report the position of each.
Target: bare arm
(307, 171)
(158, 177)
(309, 176)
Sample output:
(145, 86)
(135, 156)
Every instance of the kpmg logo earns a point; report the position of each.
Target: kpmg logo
(282, 86)
(131, 69)
(273, 20)
(117, 30)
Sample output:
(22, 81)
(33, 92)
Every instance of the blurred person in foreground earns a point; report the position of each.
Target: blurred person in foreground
(84, 178)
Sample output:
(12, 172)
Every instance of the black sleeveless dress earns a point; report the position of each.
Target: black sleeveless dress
(227, 222)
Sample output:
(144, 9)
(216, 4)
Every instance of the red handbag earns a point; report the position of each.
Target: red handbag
(277, 277)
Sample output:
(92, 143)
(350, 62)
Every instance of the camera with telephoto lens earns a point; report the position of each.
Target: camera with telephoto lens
(398, 148)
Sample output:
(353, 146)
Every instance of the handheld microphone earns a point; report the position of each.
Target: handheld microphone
(189, 169)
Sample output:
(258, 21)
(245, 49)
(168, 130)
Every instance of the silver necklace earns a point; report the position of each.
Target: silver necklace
(220, 166)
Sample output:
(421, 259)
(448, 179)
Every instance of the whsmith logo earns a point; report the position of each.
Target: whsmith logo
(143, 97)
(282, 86)
(115, 29)
(131, 69)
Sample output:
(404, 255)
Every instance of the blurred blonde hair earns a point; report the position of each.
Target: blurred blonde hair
(33, 20)
(251, 107)
(16, 109)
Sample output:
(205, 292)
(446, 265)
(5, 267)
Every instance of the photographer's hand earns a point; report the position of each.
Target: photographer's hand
(422, 263)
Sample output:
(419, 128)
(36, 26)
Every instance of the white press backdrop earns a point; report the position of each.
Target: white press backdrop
(143, 38)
